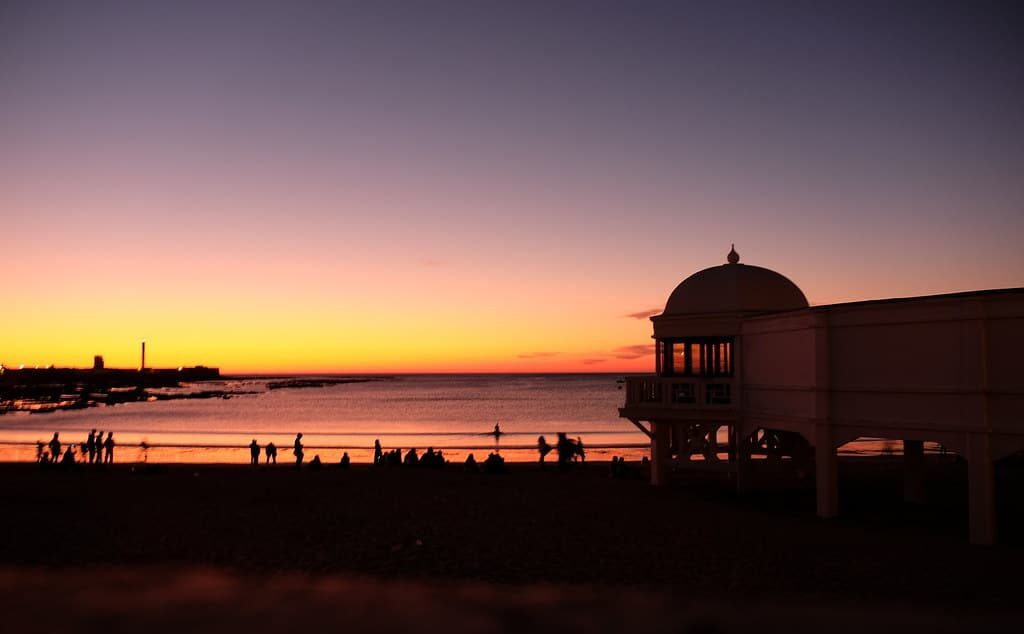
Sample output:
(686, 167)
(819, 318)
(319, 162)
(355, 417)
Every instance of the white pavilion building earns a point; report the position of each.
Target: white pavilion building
(738, 348)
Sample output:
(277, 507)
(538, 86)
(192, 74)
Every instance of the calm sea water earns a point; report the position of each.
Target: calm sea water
(456, 413)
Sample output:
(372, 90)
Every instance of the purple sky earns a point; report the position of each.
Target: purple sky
(598, 151)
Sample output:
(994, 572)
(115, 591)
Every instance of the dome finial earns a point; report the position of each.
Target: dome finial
(733, 257)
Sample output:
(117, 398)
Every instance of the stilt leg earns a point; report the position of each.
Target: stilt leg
(659, 453)
(913, 472)
(981, 489)
(744, 478)
(827, 471)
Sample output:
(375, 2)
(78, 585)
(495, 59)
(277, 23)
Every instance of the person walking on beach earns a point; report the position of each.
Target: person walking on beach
(55, 447)
(297, 449)
(566, 450)
(271, 452)
(579, 450)
(108, 448)
(254, 453)
(543, 448)
(378, 452)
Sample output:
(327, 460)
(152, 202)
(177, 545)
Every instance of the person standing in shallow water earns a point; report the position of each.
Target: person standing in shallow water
(108, 448)
(298, 451)
(254, 453)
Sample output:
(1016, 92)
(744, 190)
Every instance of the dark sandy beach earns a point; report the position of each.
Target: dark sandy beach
(580, 531)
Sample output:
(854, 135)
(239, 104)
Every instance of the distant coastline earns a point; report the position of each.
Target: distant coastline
(47, 390)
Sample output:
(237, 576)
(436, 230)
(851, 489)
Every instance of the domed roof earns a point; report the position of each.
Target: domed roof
(735, 288)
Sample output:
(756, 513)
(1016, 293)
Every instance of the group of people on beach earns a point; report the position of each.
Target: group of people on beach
(298, 450)
(95, 450)
(254, 452)
(568, 450)
(394, 457)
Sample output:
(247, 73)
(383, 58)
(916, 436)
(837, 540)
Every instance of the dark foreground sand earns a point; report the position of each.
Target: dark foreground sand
(380, 541)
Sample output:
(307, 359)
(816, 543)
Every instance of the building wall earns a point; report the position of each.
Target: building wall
(912, 367)
(779, 358)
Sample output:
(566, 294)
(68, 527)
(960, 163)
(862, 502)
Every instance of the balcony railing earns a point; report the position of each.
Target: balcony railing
(680, 392)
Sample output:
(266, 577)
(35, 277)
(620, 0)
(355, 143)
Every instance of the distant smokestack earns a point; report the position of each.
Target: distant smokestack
(142, 364)
(97, 362)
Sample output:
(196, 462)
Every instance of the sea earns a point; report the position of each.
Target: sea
(455, 413)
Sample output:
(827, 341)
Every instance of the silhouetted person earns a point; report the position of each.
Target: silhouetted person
(378, 452)
(543, 448)
(566, 450)
(271, 453)
(55, 447)
(494, 464)
(315, 462)
(297, 450)
(579, 449)
(90, 446)
(345, 460)
(68, 459)
(254, 453)
(40, 446)
(618, 467)
(411, 458)
(99, 447)
(108, 448)
(470, 464)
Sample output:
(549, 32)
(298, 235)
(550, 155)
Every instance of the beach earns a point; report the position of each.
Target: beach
(525, 526)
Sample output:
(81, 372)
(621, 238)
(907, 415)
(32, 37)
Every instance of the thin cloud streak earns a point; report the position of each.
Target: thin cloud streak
(645, 314)
(634, 352)
(537, 355)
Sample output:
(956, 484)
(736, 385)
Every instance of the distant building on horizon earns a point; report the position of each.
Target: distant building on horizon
(738, 346)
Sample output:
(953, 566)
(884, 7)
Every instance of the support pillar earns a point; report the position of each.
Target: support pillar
(744, 477)
(711, 447)
(827, 467)
(981, 489)
(913, 472)
(659, 453)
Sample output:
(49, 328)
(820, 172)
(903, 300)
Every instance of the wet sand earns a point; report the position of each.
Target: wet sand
(581, 529)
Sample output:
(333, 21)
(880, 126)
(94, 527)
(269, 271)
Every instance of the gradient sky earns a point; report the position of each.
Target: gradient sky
(484, 186)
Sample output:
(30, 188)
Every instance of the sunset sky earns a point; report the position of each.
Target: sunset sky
(484, 186)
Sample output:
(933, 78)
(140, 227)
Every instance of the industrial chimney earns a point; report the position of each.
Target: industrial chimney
(142, 364)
